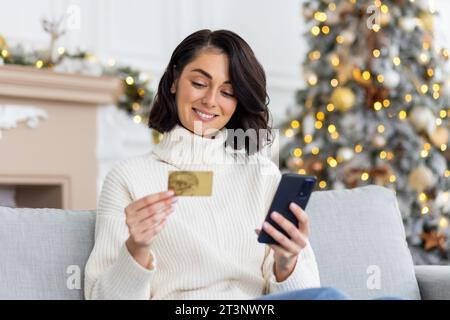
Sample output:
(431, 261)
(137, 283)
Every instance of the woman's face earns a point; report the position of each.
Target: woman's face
(203, 93)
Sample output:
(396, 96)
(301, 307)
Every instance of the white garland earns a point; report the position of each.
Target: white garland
(11, 115)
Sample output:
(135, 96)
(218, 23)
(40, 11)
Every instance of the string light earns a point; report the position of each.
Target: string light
(331, 128)
(364, 176)
(396, 61)
(358, 148)
(402, 115)
(39, 64)
(376, 53)
(129, 80)
(383, 155)
(376, 27)
(424, 88)
(334, 59)
(332, 162)
(325, 29)
(314, 55)
(408, 97)
(386, 103)
(442, 113)
(289, 133)
(422, 197)
(332, 6)
(380, 78)
(315, 150)
(425, 210)
(318, 124)
(315, 31)
(320, 115)
(443, 223)
(334, 135)
(312, 80)
(392, 178)
(340, 39)
(443, 147)
(334, 83)
(307, 138)
(424, 153)
(297, 152)
(5, 53)
(366, 75)
(330, 107)
(438, 121)
(61, 50)
(377, 106)
(322, 184)
(295, 124)
(320, 16)
(137, 118)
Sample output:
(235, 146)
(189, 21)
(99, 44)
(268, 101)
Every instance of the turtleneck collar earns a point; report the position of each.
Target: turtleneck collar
(186, 150)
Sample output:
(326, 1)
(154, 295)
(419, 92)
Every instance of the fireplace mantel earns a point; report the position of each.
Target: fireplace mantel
(54, 164)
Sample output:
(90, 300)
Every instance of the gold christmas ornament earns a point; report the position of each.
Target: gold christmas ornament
(407, 23)
(423, 119)
(379, 141)
(426, 20)
(345, 154)
(343, 98)
(385, 18)
(420, 179)
(439, 136)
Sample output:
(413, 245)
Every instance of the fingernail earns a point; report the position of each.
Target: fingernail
(274, 214)
(265, 224)
(170, 193)
(293, 205)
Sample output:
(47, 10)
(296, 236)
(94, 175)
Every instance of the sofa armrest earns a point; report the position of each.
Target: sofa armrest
(434, 282)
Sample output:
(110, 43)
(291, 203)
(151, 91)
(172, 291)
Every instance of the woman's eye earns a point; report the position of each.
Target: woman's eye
(195, 84)
(228, 94)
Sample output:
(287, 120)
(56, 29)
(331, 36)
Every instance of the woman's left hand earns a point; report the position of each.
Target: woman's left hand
(287, 250)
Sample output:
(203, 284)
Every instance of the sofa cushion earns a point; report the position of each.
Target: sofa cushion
(43, 252)
(359, 242)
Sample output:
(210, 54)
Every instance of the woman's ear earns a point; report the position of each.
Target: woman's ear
(173, 87)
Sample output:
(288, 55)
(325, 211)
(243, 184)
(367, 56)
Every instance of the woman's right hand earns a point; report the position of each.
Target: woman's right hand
(145, 218)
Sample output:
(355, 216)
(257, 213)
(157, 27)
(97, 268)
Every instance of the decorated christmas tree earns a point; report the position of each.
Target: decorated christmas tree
(375, 110)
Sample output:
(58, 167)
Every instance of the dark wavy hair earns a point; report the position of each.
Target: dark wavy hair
(247, 77)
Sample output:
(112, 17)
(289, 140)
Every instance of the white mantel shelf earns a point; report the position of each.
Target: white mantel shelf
(31, 83)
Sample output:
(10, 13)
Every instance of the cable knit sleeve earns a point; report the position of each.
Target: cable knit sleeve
(306, 273)
(111, 272)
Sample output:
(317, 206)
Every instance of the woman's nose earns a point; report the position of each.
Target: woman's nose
(210, 98)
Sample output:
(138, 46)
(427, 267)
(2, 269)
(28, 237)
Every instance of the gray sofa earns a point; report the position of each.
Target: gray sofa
(357, 235)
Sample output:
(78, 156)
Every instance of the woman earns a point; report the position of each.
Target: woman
(150, 244)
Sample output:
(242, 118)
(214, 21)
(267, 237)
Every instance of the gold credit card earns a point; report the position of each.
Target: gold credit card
(191, 183)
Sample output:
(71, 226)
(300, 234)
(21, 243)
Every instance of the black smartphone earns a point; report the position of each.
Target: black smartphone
(292, 188)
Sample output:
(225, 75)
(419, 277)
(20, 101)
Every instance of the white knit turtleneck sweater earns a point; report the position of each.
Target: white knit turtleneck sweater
(208, 248)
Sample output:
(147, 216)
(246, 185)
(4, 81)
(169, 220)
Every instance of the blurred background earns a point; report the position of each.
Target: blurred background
(359, 93)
